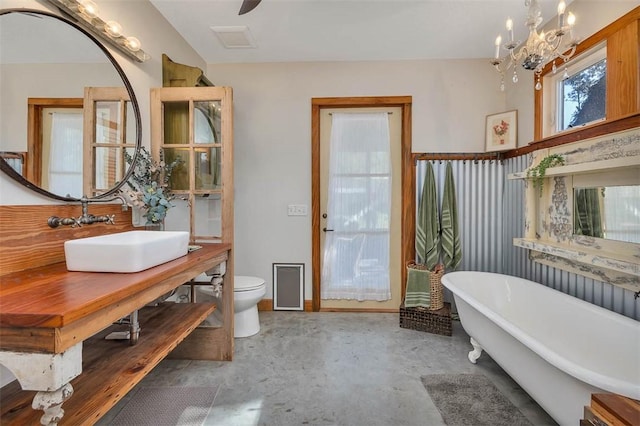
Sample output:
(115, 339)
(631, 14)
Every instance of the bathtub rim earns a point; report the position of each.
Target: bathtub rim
(625, 388)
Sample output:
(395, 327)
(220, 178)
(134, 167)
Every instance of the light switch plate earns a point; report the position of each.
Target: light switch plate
(297, 210)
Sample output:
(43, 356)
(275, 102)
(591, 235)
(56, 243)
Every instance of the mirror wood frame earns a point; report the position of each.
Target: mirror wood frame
(7, 169)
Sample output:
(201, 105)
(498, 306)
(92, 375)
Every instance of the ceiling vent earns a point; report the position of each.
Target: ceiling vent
(236, 37)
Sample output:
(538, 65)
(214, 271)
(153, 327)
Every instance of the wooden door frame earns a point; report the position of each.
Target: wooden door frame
(33, 168)
(407, 172)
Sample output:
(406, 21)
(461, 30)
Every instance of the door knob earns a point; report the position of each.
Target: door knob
(326, 230)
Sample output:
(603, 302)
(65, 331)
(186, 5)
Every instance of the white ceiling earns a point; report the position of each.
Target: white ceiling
(351, 30)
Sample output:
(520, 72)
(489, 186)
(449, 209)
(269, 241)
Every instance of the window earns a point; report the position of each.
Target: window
(583, 96)
(618, 43)
(576, 93)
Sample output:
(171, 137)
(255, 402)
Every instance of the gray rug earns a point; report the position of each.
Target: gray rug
(471, 400)
(156, 406)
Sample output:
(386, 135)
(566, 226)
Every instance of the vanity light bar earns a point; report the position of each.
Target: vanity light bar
(85, 14)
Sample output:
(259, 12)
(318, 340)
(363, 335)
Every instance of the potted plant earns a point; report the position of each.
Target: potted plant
(148, 187)
(537, 173)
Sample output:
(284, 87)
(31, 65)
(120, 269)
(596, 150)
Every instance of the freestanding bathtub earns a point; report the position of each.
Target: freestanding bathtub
(558, 348)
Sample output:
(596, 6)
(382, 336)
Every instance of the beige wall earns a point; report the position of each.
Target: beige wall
(451, 99)
(13, 102)
(272, 141)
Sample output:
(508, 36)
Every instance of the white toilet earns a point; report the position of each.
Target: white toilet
(248, 291)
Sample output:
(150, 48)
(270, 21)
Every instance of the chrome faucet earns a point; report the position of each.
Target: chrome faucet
(123, 200)
(86, 218)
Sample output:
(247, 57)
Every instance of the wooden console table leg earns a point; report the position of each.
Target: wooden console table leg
(134, 328)
(51, 404)
(49, 374)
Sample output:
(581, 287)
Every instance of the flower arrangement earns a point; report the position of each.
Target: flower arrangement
(148, 186)
(500, 130)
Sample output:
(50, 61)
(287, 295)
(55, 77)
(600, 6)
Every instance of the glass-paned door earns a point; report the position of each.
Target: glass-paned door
(358, 213)
(356, 228)
(109, 131)
(196, 130)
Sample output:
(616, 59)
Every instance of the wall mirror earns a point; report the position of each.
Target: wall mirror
(609, 212)
(64, 90)
(586, 219)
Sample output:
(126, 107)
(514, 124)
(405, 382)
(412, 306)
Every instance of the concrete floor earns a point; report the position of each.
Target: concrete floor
(333, 369)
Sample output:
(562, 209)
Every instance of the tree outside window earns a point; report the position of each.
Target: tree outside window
(584, 96)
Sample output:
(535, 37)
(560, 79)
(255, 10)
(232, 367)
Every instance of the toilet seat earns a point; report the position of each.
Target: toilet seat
(244, 283)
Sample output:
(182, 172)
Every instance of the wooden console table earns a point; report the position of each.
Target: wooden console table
(53, 322)
(47, 313)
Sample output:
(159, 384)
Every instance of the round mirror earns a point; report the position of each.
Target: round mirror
(69, 113)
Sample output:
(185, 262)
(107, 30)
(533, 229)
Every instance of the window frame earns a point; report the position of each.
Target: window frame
(623, 84)
(553, 93)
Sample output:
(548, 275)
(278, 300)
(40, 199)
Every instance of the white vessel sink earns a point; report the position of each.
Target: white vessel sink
(131, 251)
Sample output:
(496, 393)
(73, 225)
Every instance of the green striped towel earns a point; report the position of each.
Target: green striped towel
(418, 288)
(451, 248)
(427, 224)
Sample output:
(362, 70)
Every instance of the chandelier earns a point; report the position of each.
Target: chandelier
(539, 48)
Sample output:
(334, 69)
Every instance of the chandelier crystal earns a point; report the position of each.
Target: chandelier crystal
(539, 48)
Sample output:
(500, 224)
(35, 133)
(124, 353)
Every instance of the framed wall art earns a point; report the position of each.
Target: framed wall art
(501, 131)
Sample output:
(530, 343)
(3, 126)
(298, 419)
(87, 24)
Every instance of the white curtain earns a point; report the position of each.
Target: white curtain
(356, 251)
(65, 154)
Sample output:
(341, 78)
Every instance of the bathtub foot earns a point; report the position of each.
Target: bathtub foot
(476, 352)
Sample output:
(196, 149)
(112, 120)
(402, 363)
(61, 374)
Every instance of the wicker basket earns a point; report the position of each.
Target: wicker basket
(435, 286)
(422, 319)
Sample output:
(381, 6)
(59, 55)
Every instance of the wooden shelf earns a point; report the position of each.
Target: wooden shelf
(111, 368)
(584, 168)
(607, 160)
(596, 257)
(615, 410)
(595, 263)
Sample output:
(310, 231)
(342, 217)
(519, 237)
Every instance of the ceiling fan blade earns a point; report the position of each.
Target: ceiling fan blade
(248, 6)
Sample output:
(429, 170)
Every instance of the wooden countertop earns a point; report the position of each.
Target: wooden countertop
(52, 298)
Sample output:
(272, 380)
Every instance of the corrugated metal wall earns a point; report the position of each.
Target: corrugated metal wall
(491, 214)
(479, 187)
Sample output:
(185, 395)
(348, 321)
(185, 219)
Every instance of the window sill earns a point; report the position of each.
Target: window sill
(589, 131)
(579, 134)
